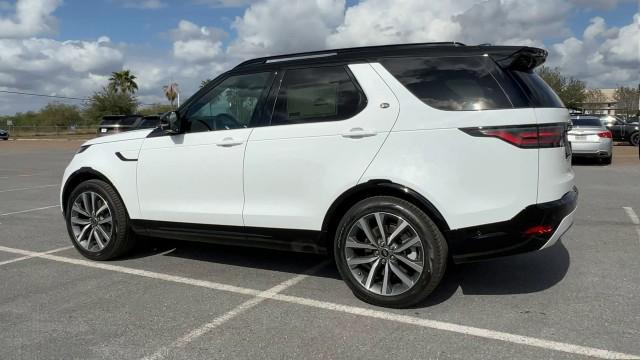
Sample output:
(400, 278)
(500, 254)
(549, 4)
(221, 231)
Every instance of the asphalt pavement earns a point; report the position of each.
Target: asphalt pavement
(178, 300)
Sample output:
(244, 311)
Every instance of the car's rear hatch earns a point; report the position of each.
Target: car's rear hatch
(555, 175)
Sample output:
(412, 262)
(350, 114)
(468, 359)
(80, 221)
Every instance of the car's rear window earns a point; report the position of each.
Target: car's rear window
(450, 83)
(591, 122)
(537, 90)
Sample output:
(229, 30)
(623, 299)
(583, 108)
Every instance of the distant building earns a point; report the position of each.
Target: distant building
(606, 105)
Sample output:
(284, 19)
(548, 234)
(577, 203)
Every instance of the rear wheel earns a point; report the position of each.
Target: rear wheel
(389, 252)
(635, 139)
(607, 160)
(97, 221)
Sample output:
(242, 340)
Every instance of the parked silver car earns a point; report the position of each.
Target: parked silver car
(590, 138)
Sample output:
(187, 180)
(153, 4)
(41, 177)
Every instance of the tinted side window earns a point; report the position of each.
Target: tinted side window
(229, 105)
(540, 94)
(317, 94)
(450, 83)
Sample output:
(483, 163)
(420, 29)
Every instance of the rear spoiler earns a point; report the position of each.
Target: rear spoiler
(525, 59)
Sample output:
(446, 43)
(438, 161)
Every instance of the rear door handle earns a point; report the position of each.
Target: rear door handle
(228, 142)
(358, 133)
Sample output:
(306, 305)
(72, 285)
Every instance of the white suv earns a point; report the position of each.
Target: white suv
(394, 159)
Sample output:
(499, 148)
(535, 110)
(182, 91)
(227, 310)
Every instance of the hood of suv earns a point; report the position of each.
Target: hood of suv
(123, 136)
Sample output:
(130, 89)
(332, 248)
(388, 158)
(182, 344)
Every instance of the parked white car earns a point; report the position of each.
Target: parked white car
(393, 158)
(590, 138)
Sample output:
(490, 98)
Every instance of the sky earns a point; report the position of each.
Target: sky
(70, 47)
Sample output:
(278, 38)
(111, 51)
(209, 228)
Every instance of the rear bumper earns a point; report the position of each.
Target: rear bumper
(593, 149)
(511, 237)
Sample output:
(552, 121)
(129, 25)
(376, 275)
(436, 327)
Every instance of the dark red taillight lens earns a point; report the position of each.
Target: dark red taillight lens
(605, 134)
(524, 136)
(539, 230)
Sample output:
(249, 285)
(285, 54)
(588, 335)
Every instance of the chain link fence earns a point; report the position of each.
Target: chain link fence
(39, 131)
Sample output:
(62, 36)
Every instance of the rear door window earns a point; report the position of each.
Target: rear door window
(317, 94)
(450, 83)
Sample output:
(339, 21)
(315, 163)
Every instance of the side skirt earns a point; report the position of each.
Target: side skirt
(308, 241)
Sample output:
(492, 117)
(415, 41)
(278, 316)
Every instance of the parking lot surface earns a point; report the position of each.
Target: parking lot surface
(177, 300)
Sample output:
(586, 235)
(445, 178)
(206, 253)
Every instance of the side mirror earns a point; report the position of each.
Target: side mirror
(170, 123)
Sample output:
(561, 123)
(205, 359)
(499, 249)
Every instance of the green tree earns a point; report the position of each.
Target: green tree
(58, 114)
(571, 91)
(627, 100)
(154, 109)
(204, 82)
(123, 81)
(109, 102)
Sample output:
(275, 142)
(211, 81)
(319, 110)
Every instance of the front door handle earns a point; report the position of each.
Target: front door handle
(358, 133)
(229, 141)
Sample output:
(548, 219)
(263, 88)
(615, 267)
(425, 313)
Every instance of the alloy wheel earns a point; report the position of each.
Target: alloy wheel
(91, 221)
(385, 254)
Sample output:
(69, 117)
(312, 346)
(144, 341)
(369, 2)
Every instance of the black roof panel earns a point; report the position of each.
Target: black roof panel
(369, 53)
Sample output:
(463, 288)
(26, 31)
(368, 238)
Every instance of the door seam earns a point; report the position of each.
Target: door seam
(388, 132)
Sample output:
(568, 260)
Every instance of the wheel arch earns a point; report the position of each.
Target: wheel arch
(79, 176)
(379, 187)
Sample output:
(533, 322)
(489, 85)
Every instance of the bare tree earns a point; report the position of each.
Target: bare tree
(627, 99)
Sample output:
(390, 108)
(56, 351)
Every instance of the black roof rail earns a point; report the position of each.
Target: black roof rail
(344, 51)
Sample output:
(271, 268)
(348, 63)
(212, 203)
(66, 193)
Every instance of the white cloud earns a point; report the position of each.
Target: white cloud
(187, 30)
(197, 50)
(32, 17)
(224, 3)
(376, 22)
(196, 44)
(280, 26)
(604, 57)
(69, 68)
(600, 54)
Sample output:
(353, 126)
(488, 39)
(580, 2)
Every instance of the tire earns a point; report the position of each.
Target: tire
(607, 160)
(352, 245)
(634, 139)
(120, 238)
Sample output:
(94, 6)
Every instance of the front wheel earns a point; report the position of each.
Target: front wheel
(389, 252)
(635, 139)
(97, 221)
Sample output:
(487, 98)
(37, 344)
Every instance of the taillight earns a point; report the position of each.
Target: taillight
(539, 230)
(524, 136)
(605, 134)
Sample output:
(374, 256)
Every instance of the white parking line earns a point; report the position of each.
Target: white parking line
(267, 294)
(634, 219)
(426, 323)
(632, 215)
(33, 256)
(29, 210)
(30, 188)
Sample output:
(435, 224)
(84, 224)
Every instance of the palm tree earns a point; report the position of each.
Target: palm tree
(171, 92)
(123, 81)
(204, 83)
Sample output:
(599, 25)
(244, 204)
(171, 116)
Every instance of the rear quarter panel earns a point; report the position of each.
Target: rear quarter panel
(470, 180)
(556, 176)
